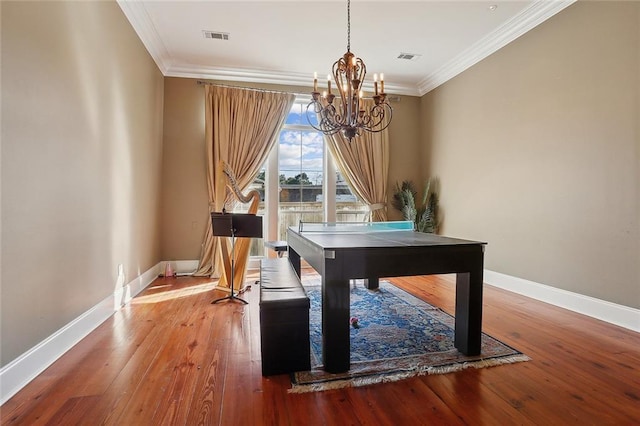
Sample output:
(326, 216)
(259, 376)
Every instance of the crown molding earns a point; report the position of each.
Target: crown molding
(141, 22)
(526, 20)
(529, 18)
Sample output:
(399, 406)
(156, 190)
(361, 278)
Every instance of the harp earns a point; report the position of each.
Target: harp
(242, 245)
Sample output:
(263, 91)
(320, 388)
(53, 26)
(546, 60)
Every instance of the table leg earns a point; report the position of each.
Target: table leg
(294, 259)
(468, 333)
(372, 283)
(336, 344)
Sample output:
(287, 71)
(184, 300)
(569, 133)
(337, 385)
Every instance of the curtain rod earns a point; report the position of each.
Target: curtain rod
(208, 83)
(391, 98)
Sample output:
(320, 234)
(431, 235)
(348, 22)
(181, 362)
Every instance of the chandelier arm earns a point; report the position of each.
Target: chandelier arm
(316, 111)
(380, 116)
(330, 120)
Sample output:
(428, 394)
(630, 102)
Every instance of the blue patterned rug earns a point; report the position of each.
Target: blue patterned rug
(397, 336)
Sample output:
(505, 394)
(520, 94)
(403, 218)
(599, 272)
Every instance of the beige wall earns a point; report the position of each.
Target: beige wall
(538, 151)
(405, 162)
(81, 156)
(184, 171)
(185, 206)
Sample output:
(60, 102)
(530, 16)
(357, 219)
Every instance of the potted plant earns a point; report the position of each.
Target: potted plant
(425, 215)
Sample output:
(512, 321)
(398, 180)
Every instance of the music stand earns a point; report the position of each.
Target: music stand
(235, 225)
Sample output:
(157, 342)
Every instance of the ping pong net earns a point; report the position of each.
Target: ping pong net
(359, 227)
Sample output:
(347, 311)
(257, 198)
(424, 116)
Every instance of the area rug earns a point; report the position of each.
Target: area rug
(396, 336)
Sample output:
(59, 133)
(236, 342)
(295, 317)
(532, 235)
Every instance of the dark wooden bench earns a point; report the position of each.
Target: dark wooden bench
(284, 319)
(280, 247)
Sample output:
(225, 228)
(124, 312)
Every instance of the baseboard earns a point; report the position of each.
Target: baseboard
(188, 267)
(181, 267)
(19, 372)
(620, 315)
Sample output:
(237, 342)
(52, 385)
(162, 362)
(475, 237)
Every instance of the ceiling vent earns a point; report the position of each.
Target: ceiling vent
(215, 35)
(409, 56)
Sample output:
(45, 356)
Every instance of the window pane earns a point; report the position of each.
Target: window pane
(312, 150)
(310, 117)
(290, 152)
(296, 115)
(300, 171)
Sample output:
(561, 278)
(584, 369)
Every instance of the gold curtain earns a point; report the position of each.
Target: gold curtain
(241, 128)
(364, 163)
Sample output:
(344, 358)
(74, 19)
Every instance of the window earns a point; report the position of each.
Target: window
(303, 165)
(292, 183)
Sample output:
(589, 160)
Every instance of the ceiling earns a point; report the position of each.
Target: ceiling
(285, 42)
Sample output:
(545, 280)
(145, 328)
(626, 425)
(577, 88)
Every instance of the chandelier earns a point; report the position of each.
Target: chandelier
(347, 114)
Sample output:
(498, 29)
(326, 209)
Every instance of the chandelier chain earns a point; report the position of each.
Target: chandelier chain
(348, 25)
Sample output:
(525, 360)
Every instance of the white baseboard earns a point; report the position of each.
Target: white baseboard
(187, 267)
(620, 315)
(19, 372)
(181, 267)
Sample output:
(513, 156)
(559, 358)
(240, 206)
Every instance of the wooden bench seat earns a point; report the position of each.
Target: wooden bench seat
(284, 319)
(280, 247)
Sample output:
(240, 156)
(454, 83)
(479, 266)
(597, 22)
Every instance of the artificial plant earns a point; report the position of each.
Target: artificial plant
(425, 216)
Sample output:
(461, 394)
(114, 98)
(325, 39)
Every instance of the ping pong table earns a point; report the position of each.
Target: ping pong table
(340, 252)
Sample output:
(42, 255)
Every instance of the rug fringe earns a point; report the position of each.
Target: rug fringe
(394, 377)
(482, 363)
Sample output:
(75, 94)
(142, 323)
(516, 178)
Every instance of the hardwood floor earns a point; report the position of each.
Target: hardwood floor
(170, 357)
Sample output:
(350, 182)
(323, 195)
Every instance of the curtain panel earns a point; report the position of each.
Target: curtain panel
(364, 163)
(241, 128)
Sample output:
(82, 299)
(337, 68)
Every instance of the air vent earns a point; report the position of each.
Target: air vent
(215, 35)
(409, 56)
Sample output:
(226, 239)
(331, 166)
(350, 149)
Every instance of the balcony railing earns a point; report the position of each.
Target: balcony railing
(290, 214)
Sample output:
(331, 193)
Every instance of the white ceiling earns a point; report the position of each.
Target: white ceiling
(284, 42)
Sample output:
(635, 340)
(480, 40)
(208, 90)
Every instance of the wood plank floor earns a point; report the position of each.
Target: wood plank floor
(172, 358)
